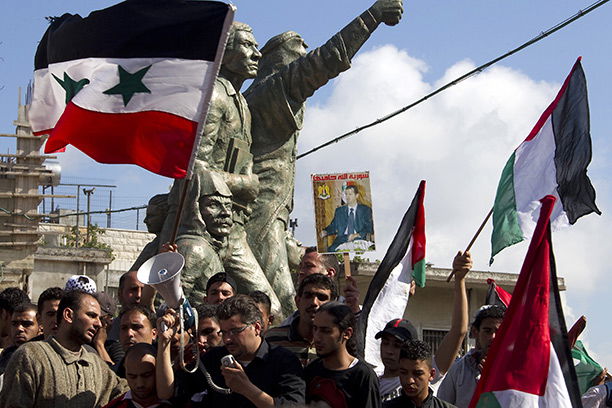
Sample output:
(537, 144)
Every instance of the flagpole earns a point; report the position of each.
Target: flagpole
(347, 264)
(473, 240)
(179, 211)
(203, 106)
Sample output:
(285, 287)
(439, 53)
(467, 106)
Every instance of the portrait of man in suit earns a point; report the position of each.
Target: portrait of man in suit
(352, 221)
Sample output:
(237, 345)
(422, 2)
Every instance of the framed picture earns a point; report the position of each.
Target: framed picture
(343, 212)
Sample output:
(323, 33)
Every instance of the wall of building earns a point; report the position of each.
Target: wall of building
(54, 263)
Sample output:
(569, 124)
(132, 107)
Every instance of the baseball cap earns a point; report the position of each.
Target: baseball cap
(402, 329)
(107, 303)
(81, 282)
(221, 277)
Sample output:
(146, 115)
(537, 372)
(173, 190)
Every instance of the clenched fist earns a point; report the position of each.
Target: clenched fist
(387, 11)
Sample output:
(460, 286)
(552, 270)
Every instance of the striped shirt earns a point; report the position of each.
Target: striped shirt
(287, 336)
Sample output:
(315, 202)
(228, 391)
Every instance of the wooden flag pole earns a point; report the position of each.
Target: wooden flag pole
(473, 240)
(179, 211)
(347, 264)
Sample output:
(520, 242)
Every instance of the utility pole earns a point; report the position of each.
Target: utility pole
(88, 193)
(110, 208)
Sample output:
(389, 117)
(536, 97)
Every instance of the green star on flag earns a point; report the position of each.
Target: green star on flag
(71, 86)
(129, 84)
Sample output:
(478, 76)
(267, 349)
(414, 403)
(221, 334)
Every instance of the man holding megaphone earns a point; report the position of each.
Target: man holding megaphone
(257, 373)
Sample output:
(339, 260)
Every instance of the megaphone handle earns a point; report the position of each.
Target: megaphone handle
(164, 326)
(182, 341)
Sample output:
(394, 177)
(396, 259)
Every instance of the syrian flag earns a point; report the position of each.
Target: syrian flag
(496, 295)
(529, 363)
(553, 160)
(387, 295)
(130, 83)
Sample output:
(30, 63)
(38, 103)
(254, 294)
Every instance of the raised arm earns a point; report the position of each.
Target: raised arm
(451, 343)
(164, 375)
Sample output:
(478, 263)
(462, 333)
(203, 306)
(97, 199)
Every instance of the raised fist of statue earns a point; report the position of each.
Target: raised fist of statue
(388, 11)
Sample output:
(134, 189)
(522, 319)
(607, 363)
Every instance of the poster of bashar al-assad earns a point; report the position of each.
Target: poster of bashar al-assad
(343, 212)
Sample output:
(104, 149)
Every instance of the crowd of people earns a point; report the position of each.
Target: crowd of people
(72, 349)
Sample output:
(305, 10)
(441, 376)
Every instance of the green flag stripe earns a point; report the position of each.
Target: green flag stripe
(488, 400)
(506, 227)
(418, 273)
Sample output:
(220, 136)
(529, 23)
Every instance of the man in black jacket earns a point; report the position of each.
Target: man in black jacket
(415, 373)
(261, 375)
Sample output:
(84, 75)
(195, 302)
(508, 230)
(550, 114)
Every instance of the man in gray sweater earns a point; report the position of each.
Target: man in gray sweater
(59, 372)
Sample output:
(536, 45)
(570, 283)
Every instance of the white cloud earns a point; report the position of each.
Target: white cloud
(458, 141)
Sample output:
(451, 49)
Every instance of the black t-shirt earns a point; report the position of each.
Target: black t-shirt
(357, 386)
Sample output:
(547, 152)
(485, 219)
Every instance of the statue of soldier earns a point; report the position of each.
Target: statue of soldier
(225, 148)
(287, 77)
(157, 210)
(204, 241)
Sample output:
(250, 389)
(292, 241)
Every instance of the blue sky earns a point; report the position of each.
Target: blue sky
(458, 141)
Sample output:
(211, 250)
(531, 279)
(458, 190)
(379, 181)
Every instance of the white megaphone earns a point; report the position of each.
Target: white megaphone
(163, 272)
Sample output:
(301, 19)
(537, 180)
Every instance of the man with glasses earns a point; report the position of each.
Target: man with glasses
(313, 292)
(259, 375)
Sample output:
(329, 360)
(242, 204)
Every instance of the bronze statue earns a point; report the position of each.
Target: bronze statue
(205, 249)
(287, 77)
(157, 210)
(225, 149)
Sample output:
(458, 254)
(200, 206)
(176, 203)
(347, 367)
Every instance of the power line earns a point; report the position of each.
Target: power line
(473, 72)
(4, 210)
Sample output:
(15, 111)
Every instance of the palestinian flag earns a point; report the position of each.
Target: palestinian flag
(586, 368)
(387, 295)
(496, 295)
(553, 160)
(529, 363)
(130, 83)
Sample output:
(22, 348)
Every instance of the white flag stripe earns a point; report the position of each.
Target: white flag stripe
(535, 177)
(389, 304)
(176, 87)
(556, 394)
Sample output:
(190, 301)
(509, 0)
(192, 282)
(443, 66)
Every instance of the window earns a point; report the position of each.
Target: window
(433, 338)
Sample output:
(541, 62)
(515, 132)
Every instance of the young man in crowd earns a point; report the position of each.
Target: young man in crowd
(209, 335)
(48, 302)
(338, 377)
(460, 382)
(260, 375)
(327, 264)
(137, 325)
(59, 372)
(130, 294)
(416, 372)
(24, 327)
(219, 287)
(398, 331)
(265, 307)
(140, 370)
(10, 298)
(313, 292)
(395, 333)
